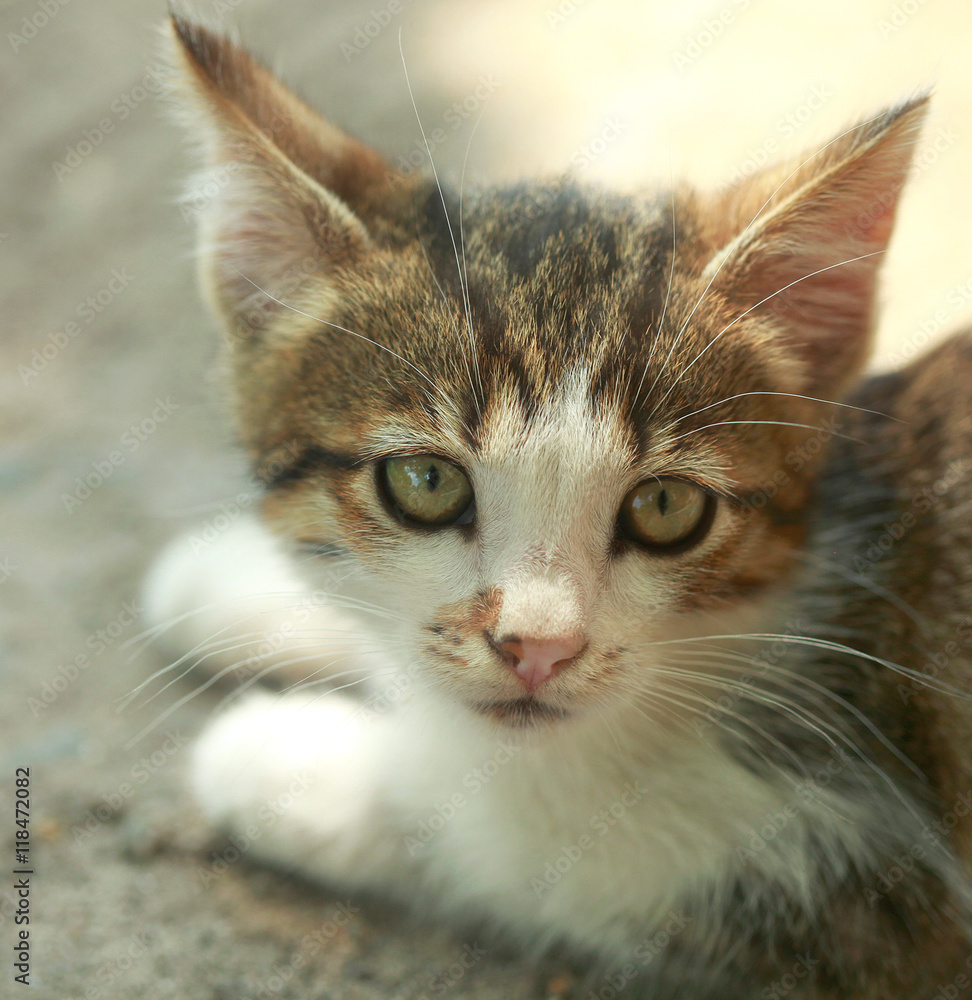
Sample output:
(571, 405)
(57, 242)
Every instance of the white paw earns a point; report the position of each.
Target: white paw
(298, 777)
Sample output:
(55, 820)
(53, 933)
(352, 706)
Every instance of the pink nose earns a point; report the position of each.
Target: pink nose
(537, 660)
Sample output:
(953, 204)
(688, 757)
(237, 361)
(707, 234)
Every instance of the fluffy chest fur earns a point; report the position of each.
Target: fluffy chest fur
(593, 838)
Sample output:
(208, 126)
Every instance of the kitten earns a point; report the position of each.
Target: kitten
(644, 637)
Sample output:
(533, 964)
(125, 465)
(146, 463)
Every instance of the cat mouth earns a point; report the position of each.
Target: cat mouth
(521, 712)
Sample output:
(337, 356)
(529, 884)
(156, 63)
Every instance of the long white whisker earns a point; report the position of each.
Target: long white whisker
(462, 243)
(777, 423)
(445, 210)
(736, 243)
(863, 581)
(795, 395)
(819, 689)
(335, 326)
(837, 647)
(668, 295)
(746, 312)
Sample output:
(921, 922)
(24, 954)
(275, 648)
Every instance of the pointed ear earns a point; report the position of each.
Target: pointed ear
(277, 212)
(806, 241)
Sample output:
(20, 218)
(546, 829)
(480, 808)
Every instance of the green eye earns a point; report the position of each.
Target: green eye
(428, 490)
(665, 512)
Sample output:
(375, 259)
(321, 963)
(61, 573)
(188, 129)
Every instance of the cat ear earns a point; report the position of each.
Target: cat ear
(276, 214)
(809, 241)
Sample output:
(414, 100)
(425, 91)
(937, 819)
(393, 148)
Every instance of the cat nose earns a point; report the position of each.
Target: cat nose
(537, 660)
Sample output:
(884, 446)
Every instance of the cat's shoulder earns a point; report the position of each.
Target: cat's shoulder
(941, 379)
(930, 400)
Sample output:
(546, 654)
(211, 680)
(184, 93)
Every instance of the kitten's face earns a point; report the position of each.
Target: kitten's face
(555, 427)
(582, 501)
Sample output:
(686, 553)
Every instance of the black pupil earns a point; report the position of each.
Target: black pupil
(663, 502)
(433, 478)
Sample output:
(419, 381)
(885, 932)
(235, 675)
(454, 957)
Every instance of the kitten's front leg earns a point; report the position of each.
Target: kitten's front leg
(299, 781)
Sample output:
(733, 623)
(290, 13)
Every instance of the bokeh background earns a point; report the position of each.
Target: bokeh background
(108, 367)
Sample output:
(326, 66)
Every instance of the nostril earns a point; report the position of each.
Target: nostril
(510, 649)
(537, 660)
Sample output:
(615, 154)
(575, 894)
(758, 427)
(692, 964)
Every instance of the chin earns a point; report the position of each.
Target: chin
(521, 713)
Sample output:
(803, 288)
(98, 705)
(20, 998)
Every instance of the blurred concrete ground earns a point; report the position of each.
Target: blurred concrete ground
(107, 371)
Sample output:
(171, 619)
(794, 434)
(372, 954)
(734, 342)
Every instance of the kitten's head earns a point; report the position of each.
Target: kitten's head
(549, 426)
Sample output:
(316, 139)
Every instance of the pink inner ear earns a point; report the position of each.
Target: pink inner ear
(811, 264)
(267, 235)
(879, 231)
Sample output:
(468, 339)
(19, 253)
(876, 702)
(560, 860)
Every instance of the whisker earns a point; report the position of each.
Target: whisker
(462, 242)
(821, 692)
(328, 677)
(185, 699)
(445, 211)
(875, 588)
(829, 645)
(343, 329)
(746, 312)
(668, 295)
(795, 395)
(210, 648)
(737, 242)
(777, 423)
